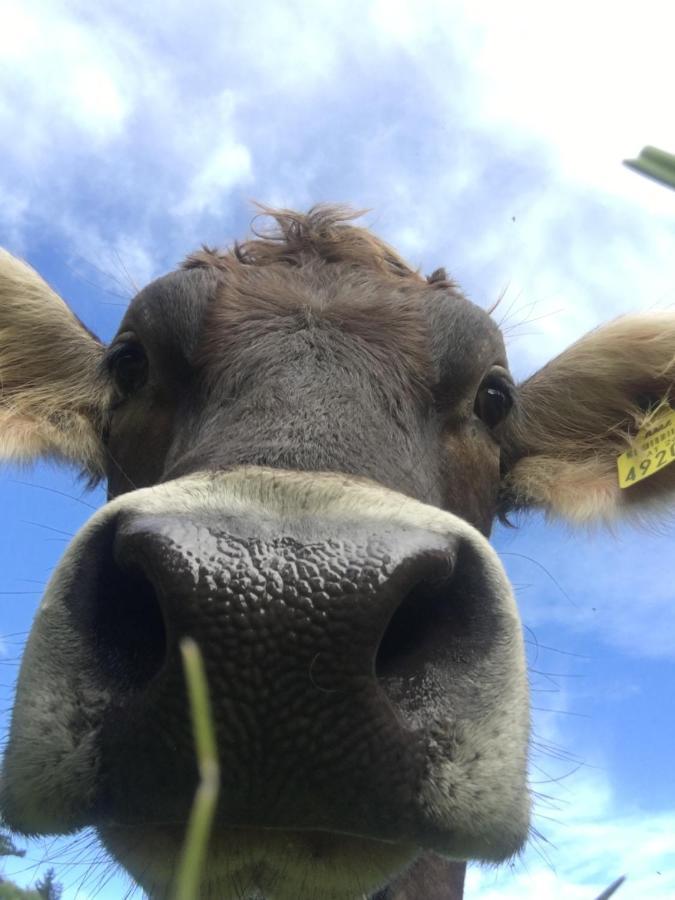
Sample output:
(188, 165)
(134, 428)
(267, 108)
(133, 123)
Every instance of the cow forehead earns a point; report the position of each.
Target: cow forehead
(430, 324)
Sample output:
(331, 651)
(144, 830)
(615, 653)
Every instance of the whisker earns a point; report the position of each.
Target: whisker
(51, 490)
(68, 534)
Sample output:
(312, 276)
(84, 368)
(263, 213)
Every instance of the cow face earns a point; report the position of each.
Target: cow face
(305, 445)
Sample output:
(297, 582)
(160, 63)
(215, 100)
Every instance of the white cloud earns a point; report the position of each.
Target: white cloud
(220, 164)
(591, 80)
(593, 840)
(484, 139)
(70, 78)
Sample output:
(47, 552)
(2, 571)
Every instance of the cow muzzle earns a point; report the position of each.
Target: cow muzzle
(363, 653)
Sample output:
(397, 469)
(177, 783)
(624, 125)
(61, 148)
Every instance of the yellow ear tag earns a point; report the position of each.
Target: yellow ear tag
(653, 449)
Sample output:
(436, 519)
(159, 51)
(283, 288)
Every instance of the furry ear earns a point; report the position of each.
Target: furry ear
(52, 391)
(580, 412)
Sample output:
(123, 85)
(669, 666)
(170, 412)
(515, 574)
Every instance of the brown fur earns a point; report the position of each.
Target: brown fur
(255, 302)
(322, 233)
(580, 412)
(52, 393)
(318, 265)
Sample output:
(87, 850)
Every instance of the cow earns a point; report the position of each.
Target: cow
(305, 444)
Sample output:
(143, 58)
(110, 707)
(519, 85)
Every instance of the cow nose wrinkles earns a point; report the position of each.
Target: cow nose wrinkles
(340, 612)
(310, 640)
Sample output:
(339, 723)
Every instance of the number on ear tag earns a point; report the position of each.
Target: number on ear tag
(653, 449)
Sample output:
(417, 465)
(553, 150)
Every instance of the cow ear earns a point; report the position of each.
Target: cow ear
(52, 388)
(578, 414)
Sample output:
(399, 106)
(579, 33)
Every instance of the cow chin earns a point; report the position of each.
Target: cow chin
(257, 863)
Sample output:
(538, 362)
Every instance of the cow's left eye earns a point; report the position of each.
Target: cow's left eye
(128, 365)
(493, 400)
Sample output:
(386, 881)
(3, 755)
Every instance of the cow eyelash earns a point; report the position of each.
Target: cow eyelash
(494, 399)
(127, 363)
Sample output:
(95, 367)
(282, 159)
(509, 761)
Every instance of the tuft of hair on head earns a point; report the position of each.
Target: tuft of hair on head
(439, 276)
(324, 233)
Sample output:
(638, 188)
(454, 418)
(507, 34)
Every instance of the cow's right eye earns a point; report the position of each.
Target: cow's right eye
(494, 399)
(128, 365)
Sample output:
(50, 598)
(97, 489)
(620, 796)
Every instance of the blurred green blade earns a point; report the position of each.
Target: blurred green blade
(655, 164)
(193, 856)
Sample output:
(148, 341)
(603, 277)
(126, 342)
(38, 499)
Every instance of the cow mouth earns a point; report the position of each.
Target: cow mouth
(261, 863)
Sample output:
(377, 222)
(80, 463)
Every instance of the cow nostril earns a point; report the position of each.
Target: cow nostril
(129, 627)
(412, 630)
(424, 625)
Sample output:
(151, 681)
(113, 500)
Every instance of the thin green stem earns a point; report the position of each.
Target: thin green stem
(196, 844)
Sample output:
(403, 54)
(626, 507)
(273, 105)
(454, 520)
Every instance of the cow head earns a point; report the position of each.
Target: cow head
(305, 444)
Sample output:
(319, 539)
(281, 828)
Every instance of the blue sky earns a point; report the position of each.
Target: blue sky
(485, 137)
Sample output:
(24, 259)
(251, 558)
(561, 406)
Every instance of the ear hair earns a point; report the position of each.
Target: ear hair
(52, 392)
(578, 414)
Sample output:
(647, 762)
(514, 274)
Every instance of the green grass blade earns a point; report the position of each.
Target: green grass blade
(655, 164)
(193, 855)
